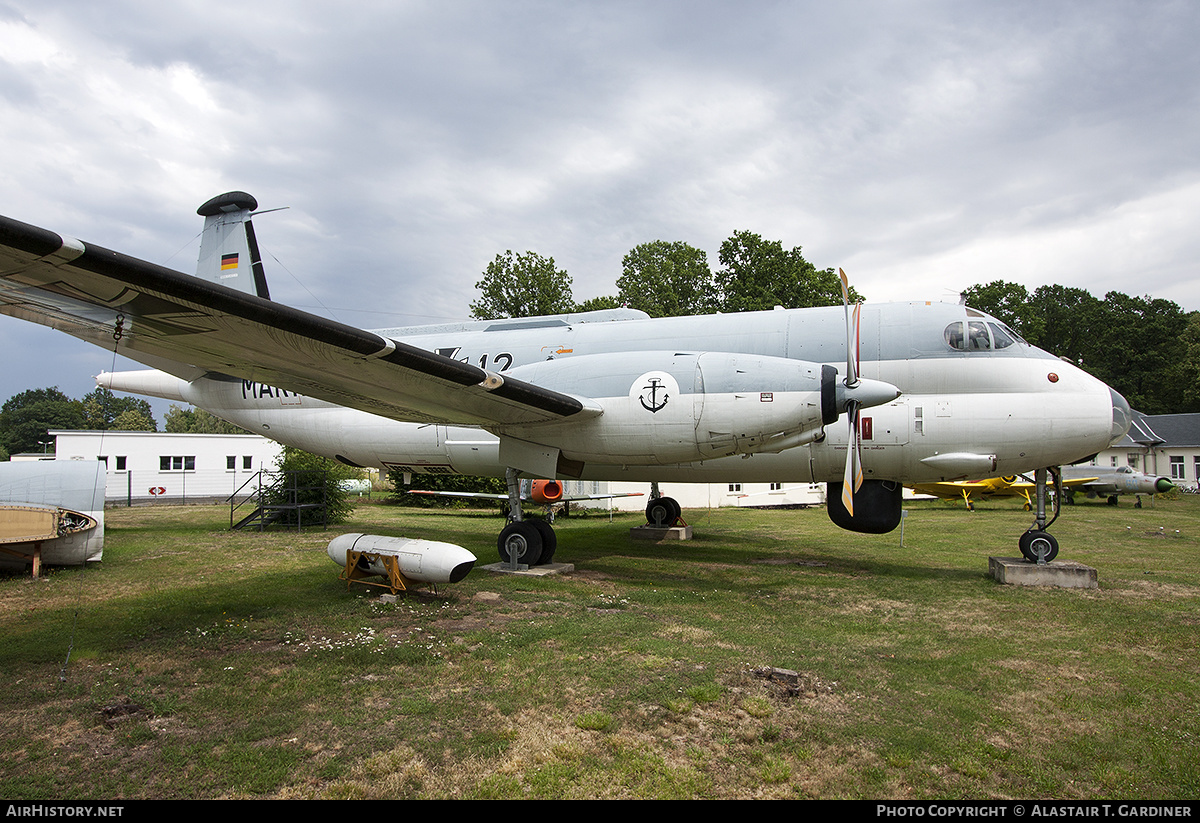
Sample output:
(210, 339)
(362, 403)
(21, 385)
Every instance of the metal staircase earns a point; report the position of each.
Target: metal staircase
(289, 498)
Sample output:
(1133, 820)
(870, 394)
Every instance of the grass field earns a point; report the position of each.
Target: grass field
(199, 663)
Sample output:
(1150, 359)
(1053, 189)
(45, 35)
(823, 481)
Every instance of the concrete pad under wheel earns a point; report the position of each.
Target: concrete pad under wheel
(655, 533)
(1017, 571)
(532, 571)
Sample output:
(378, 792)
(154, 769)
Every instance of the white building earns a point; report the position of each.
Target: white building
(709, 495)
(165, 467)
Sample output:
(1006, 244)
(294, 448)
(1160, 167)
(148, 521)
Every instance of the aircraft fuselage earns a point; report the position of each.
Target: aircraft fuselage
(966, 409)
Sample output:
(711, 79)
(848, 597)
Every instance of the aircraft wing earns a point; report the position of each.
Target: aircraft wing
(524, 497)
(163, 317)
(953, 489)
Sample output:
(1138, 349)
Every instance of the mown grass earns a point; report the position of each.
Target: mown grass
(199, 663)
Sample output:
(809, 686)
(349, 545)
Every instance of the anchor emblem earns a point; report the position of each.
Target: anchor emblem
(655, 385)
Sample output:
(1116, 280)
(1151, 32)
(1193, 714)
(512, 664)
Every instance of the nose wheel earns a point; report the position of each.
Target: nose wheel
(1038, 546)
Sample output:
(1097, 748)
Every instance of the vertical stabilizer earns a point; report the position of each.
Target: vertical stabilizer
(228, 250)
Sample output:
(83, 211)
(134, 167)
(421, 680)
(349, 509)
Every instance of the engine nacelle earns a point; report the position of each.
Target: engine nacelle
(878, 507)
(675, 407)
(423, 561)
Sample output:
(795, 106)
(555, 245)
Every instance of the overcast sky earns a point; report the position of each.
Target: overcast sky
(922, 146)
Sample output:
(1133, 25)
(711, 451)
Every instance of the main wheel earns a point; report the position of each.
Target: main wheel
(521, 540)
(662, 512)
(549, 540)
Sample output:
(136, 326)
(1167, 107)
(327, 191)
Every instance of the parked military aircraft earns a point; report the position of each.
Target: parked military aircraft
(1094, 481)
(971, 490)
(1111, 481)
(930, 392)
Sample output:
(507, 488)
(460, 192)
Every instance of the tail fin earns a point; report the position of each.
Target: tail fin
(228, 249)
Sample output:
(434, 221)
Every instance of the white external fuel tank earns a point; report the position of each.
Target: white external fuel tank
(424, 561)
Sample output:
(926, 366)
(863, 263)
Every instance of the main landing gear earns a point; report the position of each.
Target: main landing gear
(523, 542)
(662, 512)
(1037, 544)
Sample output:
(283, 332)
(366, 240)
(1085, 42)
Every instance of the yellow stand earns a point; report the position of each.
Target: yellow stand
(397, 582)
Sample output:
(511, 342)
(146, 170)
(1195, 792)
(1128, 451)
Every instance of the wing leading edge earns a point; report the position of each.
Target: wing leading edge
(153, 313)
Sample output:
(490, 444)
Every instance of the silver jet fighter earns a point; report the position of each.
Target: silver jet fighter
(1111, 481)
(864, 398)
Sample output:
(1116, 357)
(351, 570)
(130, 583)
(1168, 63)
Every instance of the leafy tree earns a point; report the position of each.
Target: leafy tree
(101, 409)
(26, 418)
(442, 483)
(667, 279)
(1137, 351)
(1008, 302)
(1188, 379)
(522, 285)
(598, 303)
(197, 421)
(759, 274)
(134, 420)
(312, 480)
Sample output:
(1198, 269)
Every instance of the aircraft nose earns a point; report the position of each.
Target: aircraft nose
(1122, 416)
(1162, 485)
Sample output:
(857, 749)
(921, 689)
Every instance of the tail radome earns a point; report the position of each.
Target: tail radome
(228, 249)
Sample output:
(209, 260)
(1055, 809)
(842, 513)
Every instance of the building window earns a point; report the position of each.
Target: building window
(121, 462)
(1133, 461)
(1177, 468)
(735, 487)
(776, 487)
(247, 462)
(176, 463)
(103, 459)
(230, 462)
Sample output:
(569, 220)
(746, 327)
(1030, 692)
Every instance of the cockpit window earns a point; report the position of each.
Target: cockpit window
(954, 337)
(980, 335)
(1001, 339)
(977, 336)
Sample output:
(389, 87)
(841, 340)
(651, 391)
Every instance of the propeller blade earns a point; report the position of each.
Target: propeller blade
(852, 478)
(857, 361)
(851, 331)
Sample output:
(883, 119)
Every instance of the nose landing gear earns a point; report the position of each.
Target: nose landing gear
(1038, 545)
